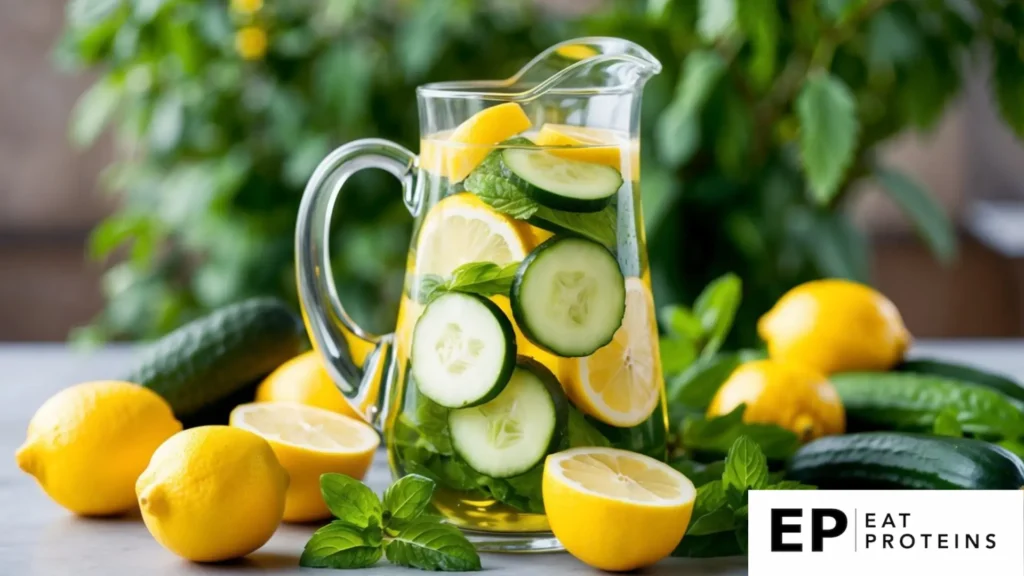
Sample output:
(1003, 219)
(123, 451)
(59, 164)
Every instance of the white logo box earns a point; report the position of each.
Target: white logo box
(906, 533)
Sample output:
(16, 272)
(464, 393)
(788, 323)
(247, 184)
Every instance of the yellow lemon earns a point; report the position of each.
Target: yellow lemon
(88, 444)
(586, 144)
(835, 326)
(309, 442)
(620, 384)
(614, 509)
(792, 396)
(454, 155)
(304, 380)
(212, 493)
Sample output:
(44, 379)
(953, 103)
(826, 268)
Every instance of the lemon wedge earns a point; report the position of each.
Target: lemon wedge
(585, 144)
(308, 442)
(454, 155)
(620, 384)
(614, 509)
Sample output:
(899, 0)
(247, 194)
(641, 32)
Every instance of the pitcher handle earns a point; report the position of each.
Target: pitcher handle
(322, 310)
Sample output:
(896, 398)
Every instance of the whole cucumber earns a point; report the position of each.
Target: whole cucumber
(912, 402)
(219, 355)
(964, 373)
(893, 460)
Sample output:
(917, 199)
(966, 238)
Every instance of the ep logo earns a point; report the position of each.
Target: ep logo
(824, 523)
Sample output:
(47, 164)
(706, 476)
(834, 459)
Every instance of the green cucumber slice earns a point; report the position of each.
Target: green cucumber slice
(463, 350)
(562, 183)
(515, 431)
(569, 296)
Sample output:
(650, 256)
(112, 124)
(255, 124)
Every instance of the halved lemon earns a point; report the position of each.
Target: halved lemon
(454, 155)
(614, 509)
(620, 384)
(308, 442)
(461, 229)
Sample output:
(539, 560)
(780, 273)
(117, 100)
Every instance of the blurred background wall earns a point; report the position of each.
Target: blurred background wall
(49, 201)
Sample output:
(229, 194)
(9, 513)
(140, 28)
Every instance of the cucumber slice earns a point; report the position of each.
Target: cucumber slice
(569, 296)
(463, 350)
(512, 433)
(562, 183)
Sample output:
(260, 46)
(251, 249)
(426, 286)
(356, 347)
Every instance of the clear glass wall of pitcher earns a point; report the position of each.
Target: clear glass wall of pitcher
(527, 324)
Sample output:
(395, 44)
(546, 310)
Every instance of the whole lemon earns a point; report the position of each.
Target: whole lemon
(88, 444)
(212, 493)
(835, 326)
(792, 396)
(304, 379)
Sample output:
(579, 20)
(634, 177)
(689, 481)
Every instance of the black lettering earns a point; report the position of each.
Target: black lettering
(869, 520)
(886, 540)
(973, 540)
(904, 515)
(991, 539)
(943, 541)
(779, 528)
(818, 532)
(888, 522)
(903, 541)
(868, 540)
(925, 537)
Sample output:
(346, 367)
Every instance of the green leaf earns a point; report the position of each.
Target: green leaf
(680, 321)
(677, 130)
(892, 40)
(696, 387)
(483, 278)
(340, 545)
(1014, 446)
(716, 18)
(349, 500)
(788, 485)
(837, 248)
(408, 497)
(597, 226)
(760, 20)
(716, 308)
(677, 354)
(501, 194)
(94, 110)
(710, 497)
(583, 433)
(927, 216)
(87, 13)
(698, 473)
(746, 468)
(1008, 84)
(167, 123)
(432, 545)
(742, 525)
(721, 520)
(710, 546)
(828, 133)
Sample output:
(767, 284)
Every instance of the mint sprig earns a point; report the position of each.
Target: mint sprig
(483, 278)
(718, 526)
(399, 528)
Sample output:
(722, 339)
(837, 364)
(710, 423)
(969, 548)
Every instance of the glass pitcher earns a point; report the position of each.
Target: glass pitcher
(527, 324)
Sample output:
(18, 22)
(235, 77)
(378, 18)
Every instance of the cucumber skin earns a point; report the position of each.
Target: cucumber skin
(508, 365)
(209, 359)
(517, 310)
(557, 201)
(561, 406)
(894, 461)
(965, 373)
(911, 402)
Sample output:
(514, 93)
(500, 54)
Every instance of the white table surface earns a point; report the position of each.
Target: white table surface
(38, 538)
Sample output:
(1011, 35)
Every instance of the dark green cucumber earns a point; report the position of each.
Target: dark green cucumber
(965, 373)
(893, 461)
(912, 402)
(213, 357)
(561, 183)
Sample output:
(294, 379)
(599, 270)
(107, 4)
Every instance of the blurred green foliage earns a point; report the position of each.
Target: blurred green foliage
(766, 115)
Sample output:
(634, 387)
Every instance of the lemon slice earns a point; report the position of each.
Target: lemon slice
(620, 384)
(589, 144)
(308, 442)
(614, 509)
(461, 229)
(454, 155)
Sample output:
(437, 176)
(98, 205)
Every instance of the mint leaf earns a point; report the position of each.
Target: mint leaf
(717, 18)
(408, 497)
(350, 501)
(789, 485)
(677, 133)
(720, 520)
(710, 546)
(923, 211)
(946, 424)
(698, 473)
(430, 545)
(583, 433)
(483, 278)
(340, 545)
(828, 133)
(501, 194)
(597, 226)
(720, 433)
(710, 497)
(681, 322)
(742, 526)
(698, 384)
(746, 468)
(716, 308)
